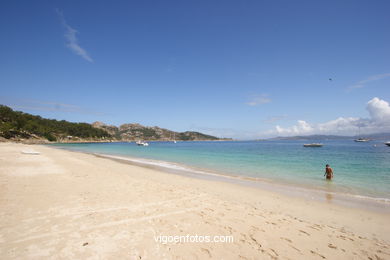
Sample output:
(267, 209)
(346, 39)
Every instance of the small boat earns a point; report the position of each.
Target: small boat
(313, 145)
(142, 143)
(362, 140)
(387, 143)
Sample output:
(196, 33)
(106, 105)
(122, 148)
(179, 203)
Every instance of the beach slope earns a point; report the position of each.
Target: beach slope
(69, 205)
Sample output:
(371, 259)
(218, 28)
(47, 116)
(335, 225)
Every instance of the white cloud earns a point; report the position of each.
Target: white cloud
(302, 127)
(362, 83)
(259, 100)
(379, 110)
(379, 121)
(72, 41)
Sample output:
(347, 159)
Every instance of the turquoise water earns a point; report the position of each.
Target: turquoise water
(360, 168)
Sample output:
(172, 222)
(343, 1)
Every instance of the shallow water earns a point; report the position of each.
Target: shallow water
(360, 169)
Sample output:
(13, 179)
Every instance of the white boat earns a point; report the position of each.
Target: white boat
(313, 145)
(387, 143)
(142, 143)
(362, 140)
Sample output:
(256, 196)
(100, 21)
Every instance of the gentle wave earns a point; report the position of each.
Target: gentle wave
(185, 168)
(164, 164)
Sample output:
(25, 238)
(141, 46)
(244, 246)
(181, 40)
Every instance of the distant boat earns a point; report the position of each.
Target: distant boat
(313, 145)
(362, 139)
(387, 143)
(142, 143)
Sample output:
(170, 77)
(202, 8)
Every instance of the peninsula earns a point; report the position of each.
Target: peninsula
(24, 127)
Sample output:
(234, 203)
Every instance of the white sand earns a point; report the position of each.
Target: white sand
(68, 205)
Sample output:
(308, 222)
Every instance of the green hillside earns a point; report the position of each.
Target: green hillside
(15, 124)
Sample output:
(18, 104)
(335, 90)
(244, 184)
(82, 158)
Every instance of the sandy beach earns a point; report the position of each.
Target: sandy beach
(68, 205)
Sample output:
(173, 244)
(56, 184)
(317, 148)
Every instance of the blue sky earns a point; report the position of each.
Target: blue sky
(242, 69)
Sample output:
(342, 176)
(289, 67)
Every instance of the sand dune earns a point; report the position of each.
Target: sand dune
(69, 205)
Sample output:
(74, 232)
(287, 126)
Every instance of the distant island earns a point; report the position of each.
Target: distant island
(377, 136)
(20, 126)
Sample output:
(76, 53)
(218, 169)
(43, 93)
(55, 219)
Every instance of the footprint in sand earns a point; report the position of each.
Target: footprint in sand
(304, 232)
(285, 238)
(345, 238)
(316, 227)
(254, 228)
(229, 229)
(315, 253)
(205, 250)
(256, 245)
(332, 246)
(276, 254)
(293, 247)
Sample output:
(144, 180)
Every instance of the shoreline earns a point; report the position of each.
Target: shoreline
(66, 204)
(284, 188)
(46, 142)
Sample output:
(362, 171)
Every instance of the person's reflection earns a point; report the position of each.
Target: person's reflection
(329, 197)
(328, 191)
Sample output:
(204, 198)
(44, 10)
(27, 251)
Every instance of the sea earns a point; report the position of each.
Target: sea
(361, 169)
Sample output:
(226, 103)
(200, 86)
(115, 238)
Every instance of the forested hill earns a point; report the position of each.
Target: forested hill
(17, 125)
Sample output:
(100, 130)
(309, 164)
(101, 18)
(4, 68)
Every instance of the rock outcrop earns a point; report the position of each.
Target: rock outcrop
(134, 131)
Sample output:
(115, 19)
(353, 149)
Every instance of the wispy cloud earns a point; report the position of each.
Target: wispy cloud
(273, 119)
(46, 106)
(259, 100)
(363, 83)
(71, 39)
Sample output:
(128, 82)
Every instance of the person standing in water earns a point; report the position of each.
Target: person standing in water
(328, 172)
